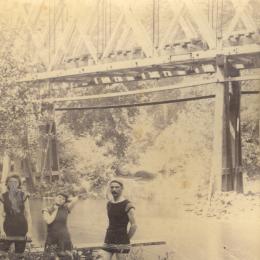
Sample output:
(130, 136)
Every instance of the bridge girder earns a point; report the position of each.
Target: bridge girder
(62, 35)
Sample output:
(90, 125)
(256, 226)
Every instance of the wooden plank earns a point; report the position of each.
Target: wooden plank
(133, 244)
(15, 238)
(97, 246)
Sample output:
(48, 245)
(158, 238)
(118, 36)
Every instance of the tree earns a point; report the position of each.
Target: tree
(17, 116)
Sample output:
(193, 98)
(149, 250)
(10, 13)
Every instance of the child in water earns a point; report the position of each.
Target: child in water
(58, 237)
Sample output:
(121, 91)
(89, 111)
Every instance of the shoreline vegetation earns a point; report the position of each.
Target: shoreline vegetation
(222, 206)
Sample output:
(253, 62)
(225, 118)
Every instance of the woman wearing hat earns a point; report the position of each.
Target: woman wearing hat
(58, 237)
(17, 219)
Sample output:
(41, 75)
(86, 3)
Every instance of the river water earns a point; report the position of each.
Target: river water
(187, 237)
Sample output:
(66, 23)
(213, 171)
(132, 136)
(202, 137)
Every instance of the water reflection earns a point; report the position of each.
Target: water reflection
(187, 236)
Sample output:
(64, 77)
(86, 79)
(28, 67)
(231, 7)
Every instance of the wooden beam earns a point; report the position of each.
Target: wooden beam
(36, 37)
(240, 14)
(65, 44)
(178, 19)
(222, 155)
(62, 43)
(184, 84)
(244, 78)
(235, 130)
(83, 32)
(139, 32)
(133, 244)
(114, 36)
(122, 41)
(96, 246)
(140, 104)
(250, 92)
(215, 181)
(178, 9)
(200, 20)
(15, 238)
(197, 56)
(226, 172)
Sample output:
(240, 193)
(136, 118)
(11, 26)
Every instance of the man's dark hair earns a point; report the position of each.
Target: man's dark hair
(64, 195)
(15, 176)
(118, 182)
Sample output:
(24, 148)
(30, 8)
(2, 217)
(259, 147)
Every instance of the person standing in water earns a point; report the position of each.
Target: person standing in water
(120, 213)
(15, 216)
(58, 237)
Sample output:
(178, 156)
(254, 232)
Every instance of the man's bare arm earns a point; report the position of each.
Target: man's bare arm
(28, 216)
(132, 220)
(2, 216)
(72, 202)
(49, 217)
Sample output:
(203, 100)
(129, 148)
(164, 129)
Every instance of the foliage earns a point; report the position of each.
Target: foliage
(16, 115)
(184, 146)
(250, 135)
(82, 157)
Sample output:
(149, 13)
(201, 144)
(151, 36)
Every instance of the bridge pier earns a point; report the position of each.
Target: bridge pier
(48, 144)
(227, 160)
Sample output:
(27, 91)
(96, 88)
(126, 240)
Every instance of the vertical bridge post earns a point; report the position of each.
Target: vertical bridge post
(227, 155)
(48, 143)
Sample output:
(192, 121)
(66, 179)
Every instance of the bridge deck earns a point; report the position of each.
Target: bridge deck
(166, 66)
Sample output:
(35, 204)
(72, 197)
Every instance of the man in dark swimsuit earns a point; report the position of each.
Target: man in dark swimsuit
(120, 213)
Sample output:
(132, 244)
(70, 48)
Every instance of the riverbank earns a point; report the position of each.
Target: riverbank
(51, 189)
(229, 206)
(167, 194)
